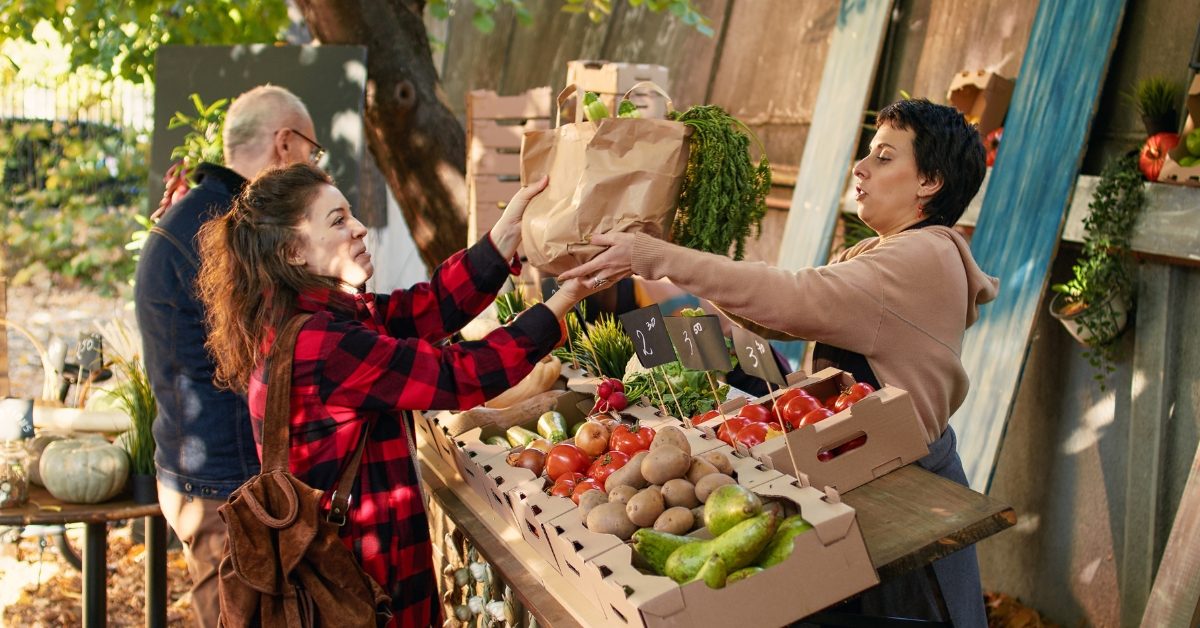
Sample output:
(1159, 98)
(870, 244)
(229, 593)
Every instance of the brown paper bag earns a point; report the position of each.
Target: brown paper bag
(622, 174)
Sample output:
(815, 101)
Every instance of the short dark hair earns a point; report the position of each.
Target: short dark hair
(947, 148)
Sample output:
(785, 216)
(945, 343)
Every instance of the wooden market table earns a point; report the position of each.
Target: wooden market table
(909, 518)
(44, 509)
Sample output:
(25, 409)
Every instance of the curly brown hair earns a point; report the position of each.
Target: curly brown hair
(246, 282)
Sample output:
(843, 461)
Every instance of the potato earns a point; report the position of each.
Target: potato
(622, 493)
(628, 475)
(709, 483)
(677, 520)
(680, 492)
(720, 460)
(644, 508)
(671, 435)
(610, 518)
(665, 464)
(700, 468)
(590, 500)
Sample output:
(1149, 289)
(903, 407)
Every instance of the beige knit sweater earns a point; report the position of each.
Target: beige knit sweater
(901, 301)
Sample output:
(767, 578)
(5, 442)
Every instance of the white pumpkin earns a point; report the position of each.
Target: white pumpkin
(34, 449)
(84, 471)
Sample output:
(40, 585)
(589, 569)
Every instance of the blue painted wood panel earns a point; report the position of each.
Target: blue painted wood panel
(1022, 215)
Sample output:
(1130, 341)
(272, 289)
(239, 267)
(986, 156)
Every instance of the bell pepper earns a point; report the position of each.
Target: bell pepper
(627, 110)
(594, 108)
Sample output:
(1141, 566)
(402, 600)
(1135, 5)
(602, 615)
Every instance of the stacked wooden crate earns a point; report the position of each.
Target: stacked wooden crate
(495, 126)
(610, 80)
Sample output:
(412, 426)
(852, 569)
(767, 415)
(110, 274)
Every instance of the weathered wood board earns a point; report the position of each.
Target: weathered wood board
(1022, 215)
(1175, 598)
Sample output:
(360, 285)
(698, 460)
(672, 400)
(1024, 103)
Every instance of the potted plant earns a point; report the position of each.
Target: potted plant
(1094, 304)
(1157, 102)
(134, 396)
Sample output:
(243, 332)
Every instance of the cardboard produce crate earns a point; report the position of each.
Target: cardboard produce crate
(432, 431)
(982, 96)
(895, 436)
(610, 80)
(829, 564)
(1172, 171)
(534, 509)
(573, 546)
(495, 126)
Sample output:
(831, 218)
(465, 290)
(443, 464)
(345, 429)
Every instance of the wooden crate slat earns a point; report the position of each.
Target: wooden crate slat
(485, 104)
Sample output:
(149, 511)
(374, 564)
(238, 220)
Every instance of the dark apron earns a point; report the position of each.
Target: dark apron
(950, 589)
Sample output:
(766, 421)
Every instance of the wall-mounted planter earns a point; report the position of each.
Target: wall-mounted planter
(1116, 305)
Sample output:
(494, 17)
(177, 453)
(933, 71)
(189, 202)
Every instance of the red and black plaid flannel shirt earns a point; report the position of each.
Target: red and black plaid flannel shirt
(359, 371)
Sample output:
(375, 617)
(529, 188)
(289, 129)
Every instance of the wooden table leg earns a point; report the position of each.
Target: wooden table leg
(156, 572)
(95, 575)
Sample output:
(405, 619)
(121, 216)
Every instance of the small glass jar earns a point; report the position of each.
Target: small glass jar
(14, 480)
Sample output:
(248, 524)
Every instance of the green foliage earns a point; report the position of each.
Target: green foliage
(73, 191)
(484, 16)
(601, 348)
(135, 397)
(203, 140)
(724, 194)
(510, 304)
(1104, 270)
(1156, 96)
(121, 38)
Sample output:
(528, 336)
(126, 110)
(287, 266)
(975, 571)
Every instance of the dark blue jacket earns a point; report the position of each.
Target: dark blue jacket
(202, 434)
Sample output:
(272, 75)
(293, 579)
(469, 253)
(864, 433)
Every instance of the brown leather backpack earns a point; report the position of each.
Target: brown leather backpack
(283, 563)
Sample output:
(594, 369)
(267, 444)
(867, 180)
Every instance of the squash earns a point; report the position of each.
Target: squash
(84, 471)
(34, 449)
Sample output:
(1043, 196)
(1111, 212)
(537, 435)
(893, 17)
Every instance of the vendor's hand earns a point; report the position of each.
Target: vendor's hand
(608, 267)
(506, 234)
(572, 291)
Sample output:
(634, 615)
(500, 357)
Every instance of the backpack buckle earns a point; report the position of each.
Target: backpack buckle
(338, 509)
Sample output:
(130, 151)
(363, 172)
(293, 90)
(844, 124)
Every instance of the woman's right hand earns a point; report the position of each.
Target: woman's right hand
(573, 291)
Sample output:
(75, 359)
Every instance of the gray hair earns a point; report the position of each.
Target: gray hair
(256, 111)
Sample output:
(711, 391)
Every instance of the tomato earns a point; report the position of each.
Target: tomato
(606, 464)
(566, 458)
(583, 486)
(630, 440)
(592, 438)
(798, 406)
(752, 434)
(728, 430)
(861, 389)
(851, 445)
(852, 395)
(830, 401)
(824, 455)
(755, 412)
(705, 417)
(565, 485)
(787, 395)
(816, 416)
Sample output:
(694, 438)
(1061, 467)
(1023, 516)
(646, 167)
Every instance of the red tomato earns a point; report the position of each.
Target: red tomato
(788, 394)
(755, 412)
(606, 464)
(630, 440)
(752, 434)
(816, 416)
(824, 455)
(798, 406)
(829, 401)
(566, 458)
(583, 486)
(565, 484)
(706, 417)
(852, 395)
(730, 428)
(861, 389)
(851, 445)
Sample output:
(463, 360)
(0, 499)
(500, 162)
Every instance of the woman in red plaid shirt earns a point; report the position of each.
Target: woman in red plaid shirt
(291, 245)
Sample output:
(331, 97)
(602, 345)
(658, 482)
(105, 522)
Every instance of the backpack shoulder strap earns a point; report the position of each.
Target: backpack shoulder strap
(276, 428)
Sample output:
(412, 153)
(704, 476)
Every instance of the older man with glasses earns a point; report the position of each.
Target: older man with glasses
(205, 448)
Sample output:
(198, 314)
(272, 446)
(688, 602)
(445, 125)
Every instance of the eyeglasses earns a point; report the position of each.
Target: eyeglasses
(318, 151)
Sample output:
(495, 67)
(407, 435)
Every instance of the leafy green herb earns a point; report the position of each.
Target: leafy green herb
(601, 348)
(692, 389)
(723, 194)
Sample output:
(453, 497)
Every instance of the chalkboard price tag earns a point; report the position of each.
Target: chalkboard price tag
(549, 287)
(90, 354)
(699, 342)
(755, 356)
(648, 331)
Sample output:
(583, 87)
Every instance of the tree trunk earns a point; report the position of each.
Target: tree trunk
(416, 140)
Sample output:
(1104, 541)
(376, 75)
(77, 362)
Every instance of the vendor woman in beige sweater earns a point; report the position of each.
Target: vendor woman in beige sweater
(891, 309)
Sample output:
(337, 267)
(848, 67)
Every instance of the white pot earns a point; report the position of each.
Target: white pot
(1117, 304)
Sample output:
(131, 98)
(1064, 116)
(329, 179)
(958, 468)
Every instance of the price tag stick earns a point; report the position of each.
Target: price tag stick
(674, 394)
(786, 441)
(717, 398)
(662, 406)
(571, 345)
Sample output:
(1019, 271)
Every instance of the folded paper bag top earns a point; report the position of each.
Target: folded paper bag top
(622, 174)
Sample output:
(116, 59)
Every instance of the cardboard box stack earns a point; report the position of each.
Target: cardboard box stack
(1172, 171)
(495, 126)
(982, 96)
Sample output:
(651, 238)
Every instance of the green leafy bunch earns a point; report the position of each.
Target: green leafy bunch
(601, 348)
(1156, 96)
(203, 140)
(510, 304)
(691, 390)
(724, 195)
